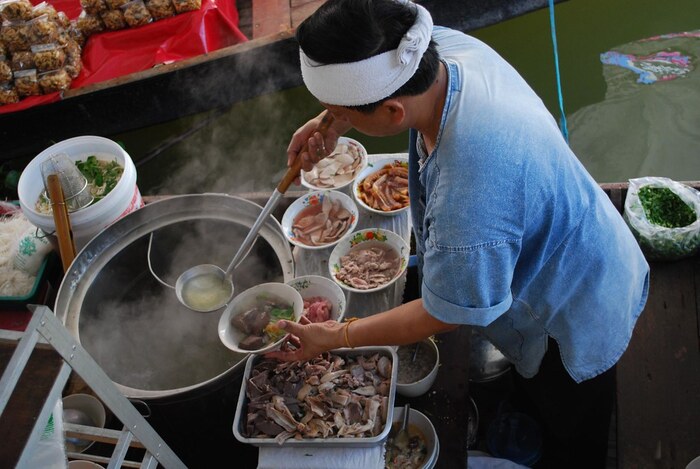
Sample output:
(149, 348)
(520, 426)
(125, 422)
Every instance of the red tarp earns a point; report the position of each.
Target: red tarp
(116, 53)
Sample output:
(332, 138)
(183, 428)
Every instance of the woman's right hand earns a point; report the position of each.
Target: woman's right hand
(318, 146)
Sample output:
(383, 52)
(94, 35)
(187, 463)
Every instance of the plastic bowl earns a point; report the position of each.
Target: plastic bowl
(314, 285)
(428, 351)
(87, 222)
(368, 238)
(363, 163)
(314, 199)
(370, 169)
(231, 337)
(418, 420)
(82, 409)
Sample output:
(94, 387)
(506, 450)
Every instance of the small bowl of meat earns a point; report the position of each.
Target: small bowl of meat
(319, 219)
(368, 260)
(323, 298)
(382, 187)
(248, 324)
(339, 169)
(422, 448)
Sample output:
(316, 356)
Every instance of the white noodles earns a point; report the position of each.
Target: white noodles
(13, 282)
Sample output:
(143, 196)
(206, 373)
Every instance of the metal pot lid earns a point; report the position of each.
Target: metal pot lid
(145, 340)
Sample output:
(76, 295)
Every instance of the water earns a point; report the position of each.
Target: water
(618, 128)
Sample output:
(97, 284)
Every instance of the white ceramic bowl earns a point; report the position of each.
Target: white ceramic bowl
(370, 169)
(90, 408)
(367, 238)
(363, 163)
(422, 385)
(313, 199)
(422, 423)
(314, 285)
(231, 336)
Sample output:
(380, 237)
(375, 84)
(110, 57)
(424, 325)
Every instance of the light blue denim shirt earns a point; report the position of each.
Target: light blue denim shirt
(513, 235)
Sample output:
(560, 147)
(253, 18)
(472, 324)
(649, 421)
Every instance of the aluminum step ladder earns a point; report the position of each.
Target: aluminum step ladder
(137, 432)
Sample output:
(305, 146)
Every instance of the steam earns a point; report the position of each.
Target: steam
(136, 329)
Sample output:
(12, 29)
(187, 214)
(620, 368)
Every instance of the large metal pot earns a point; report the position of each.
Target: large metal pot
(146, 341)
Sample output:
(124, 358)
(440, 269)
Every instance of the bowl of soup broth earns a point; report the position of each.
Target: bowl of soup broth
(248, 324)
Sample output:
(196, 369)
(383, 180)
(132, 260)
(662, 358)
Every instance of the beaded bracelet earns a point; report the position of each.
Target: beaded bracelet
(345, 331)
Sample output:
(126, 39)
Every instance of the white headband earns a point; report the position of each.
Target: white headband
(373, 79)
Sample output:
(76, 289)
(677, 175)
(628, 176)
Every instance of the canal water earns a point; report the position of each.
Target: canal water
(638, 114)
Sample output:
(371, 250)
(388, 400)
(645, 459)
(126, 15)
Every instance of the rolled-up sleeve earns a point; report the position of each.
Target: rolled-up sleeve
(469, 285)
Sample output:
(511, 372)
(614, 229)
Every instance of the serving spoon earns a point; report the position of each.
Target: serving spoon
(207, 287)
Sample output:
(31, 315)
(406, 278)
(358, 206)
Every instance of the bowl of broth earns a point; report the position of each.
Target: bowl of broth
(423, 446)
(248, 324)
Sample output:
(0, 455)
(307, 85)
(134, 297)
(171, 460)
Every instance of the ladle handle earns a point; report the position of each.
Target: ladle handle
(295, 168)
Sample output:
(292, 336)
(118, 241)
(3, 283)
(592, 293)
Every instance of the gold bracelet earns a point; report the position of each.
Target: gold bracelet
(345, 331)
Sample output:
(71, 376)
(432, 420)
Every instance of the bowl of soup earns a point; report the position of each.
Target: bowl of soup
(248, 324)
(423, 446)
(418, 367)
(368, 260)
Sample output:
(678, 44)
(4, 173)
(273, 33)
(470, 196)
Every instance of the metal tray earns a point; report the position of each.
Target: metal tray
(242, 406)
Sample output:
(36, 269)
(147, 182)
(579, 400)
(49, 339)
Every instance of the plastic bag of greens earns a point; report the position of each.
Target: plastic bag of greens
(663, 215)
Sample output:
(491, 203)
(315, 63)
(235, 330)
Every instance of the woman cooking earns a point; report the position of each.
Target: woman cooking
(513, 236)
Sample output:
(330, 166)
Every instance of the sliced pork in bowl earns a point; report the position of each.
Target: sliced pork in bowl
(368, 260)
(382, 186)
(338, 169)
(318, 220)
(323, 298)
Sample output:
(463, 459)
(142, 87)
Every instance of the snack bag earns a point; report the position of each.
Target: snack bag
(664, 215)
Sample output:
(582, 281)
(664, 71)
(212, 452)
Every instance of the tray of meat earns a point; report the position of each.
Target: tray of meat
(342, 398)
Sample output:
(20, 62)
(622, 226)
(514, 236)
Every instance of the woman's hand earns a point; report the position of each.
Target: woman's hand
(309, 339)
(318, 146)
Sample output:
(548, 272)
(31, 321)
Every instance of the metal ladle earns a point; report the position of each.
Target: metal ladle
(207, 287)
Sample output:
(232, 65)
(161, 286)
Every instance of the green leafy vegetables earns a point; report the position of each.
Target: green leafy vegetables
(103, 176)
(663, 207)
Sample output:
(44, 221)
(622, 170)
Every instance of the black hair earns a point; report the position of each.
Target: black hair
(342, 31)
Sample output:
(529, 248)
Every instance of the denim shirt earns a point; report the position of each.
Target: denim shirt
(512, 234)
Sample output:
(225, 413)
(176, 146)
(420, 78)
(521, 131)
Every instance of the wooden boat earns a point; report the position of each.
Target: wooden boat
(266, 63)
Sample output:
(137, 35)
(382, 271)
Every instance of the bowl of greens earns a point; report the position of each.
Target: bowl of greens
(111, 178)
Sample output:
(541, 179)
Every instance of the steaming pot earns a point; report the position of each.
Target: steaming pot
(146, 341)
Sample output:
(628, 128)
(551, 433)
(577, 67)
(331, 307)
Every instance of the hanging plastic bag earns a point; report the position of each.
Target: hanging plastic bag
(663, 215)
(50, 451)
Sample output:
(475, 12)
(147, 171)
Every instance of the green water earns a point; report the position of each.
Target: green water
(618, 129)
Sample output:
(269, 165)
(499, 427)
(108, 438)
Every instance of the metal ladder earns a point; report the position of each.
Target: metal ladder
(137, 432)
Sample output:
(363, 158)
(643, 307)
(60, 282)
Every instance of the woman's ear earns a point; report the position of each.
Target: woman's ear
(395, 111)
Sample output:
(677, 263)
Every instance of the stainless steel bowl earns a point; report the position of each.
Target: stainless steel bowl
(486, 362)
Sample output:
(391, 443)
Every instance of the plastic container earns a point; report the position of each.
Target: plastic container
(87, 222)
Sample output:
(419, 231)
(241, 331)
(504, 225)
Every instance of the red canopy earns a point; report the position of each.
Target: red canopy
(116, 53)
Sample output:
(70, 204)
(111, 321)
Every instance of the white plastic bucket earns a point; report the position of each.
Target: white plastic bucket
(89, 221)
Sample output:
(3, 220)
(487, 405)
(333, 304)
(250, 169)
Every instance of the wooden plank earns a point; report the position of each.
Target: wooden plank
(302, 9)
(658, 377)
(270, 17)
(27, 400)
